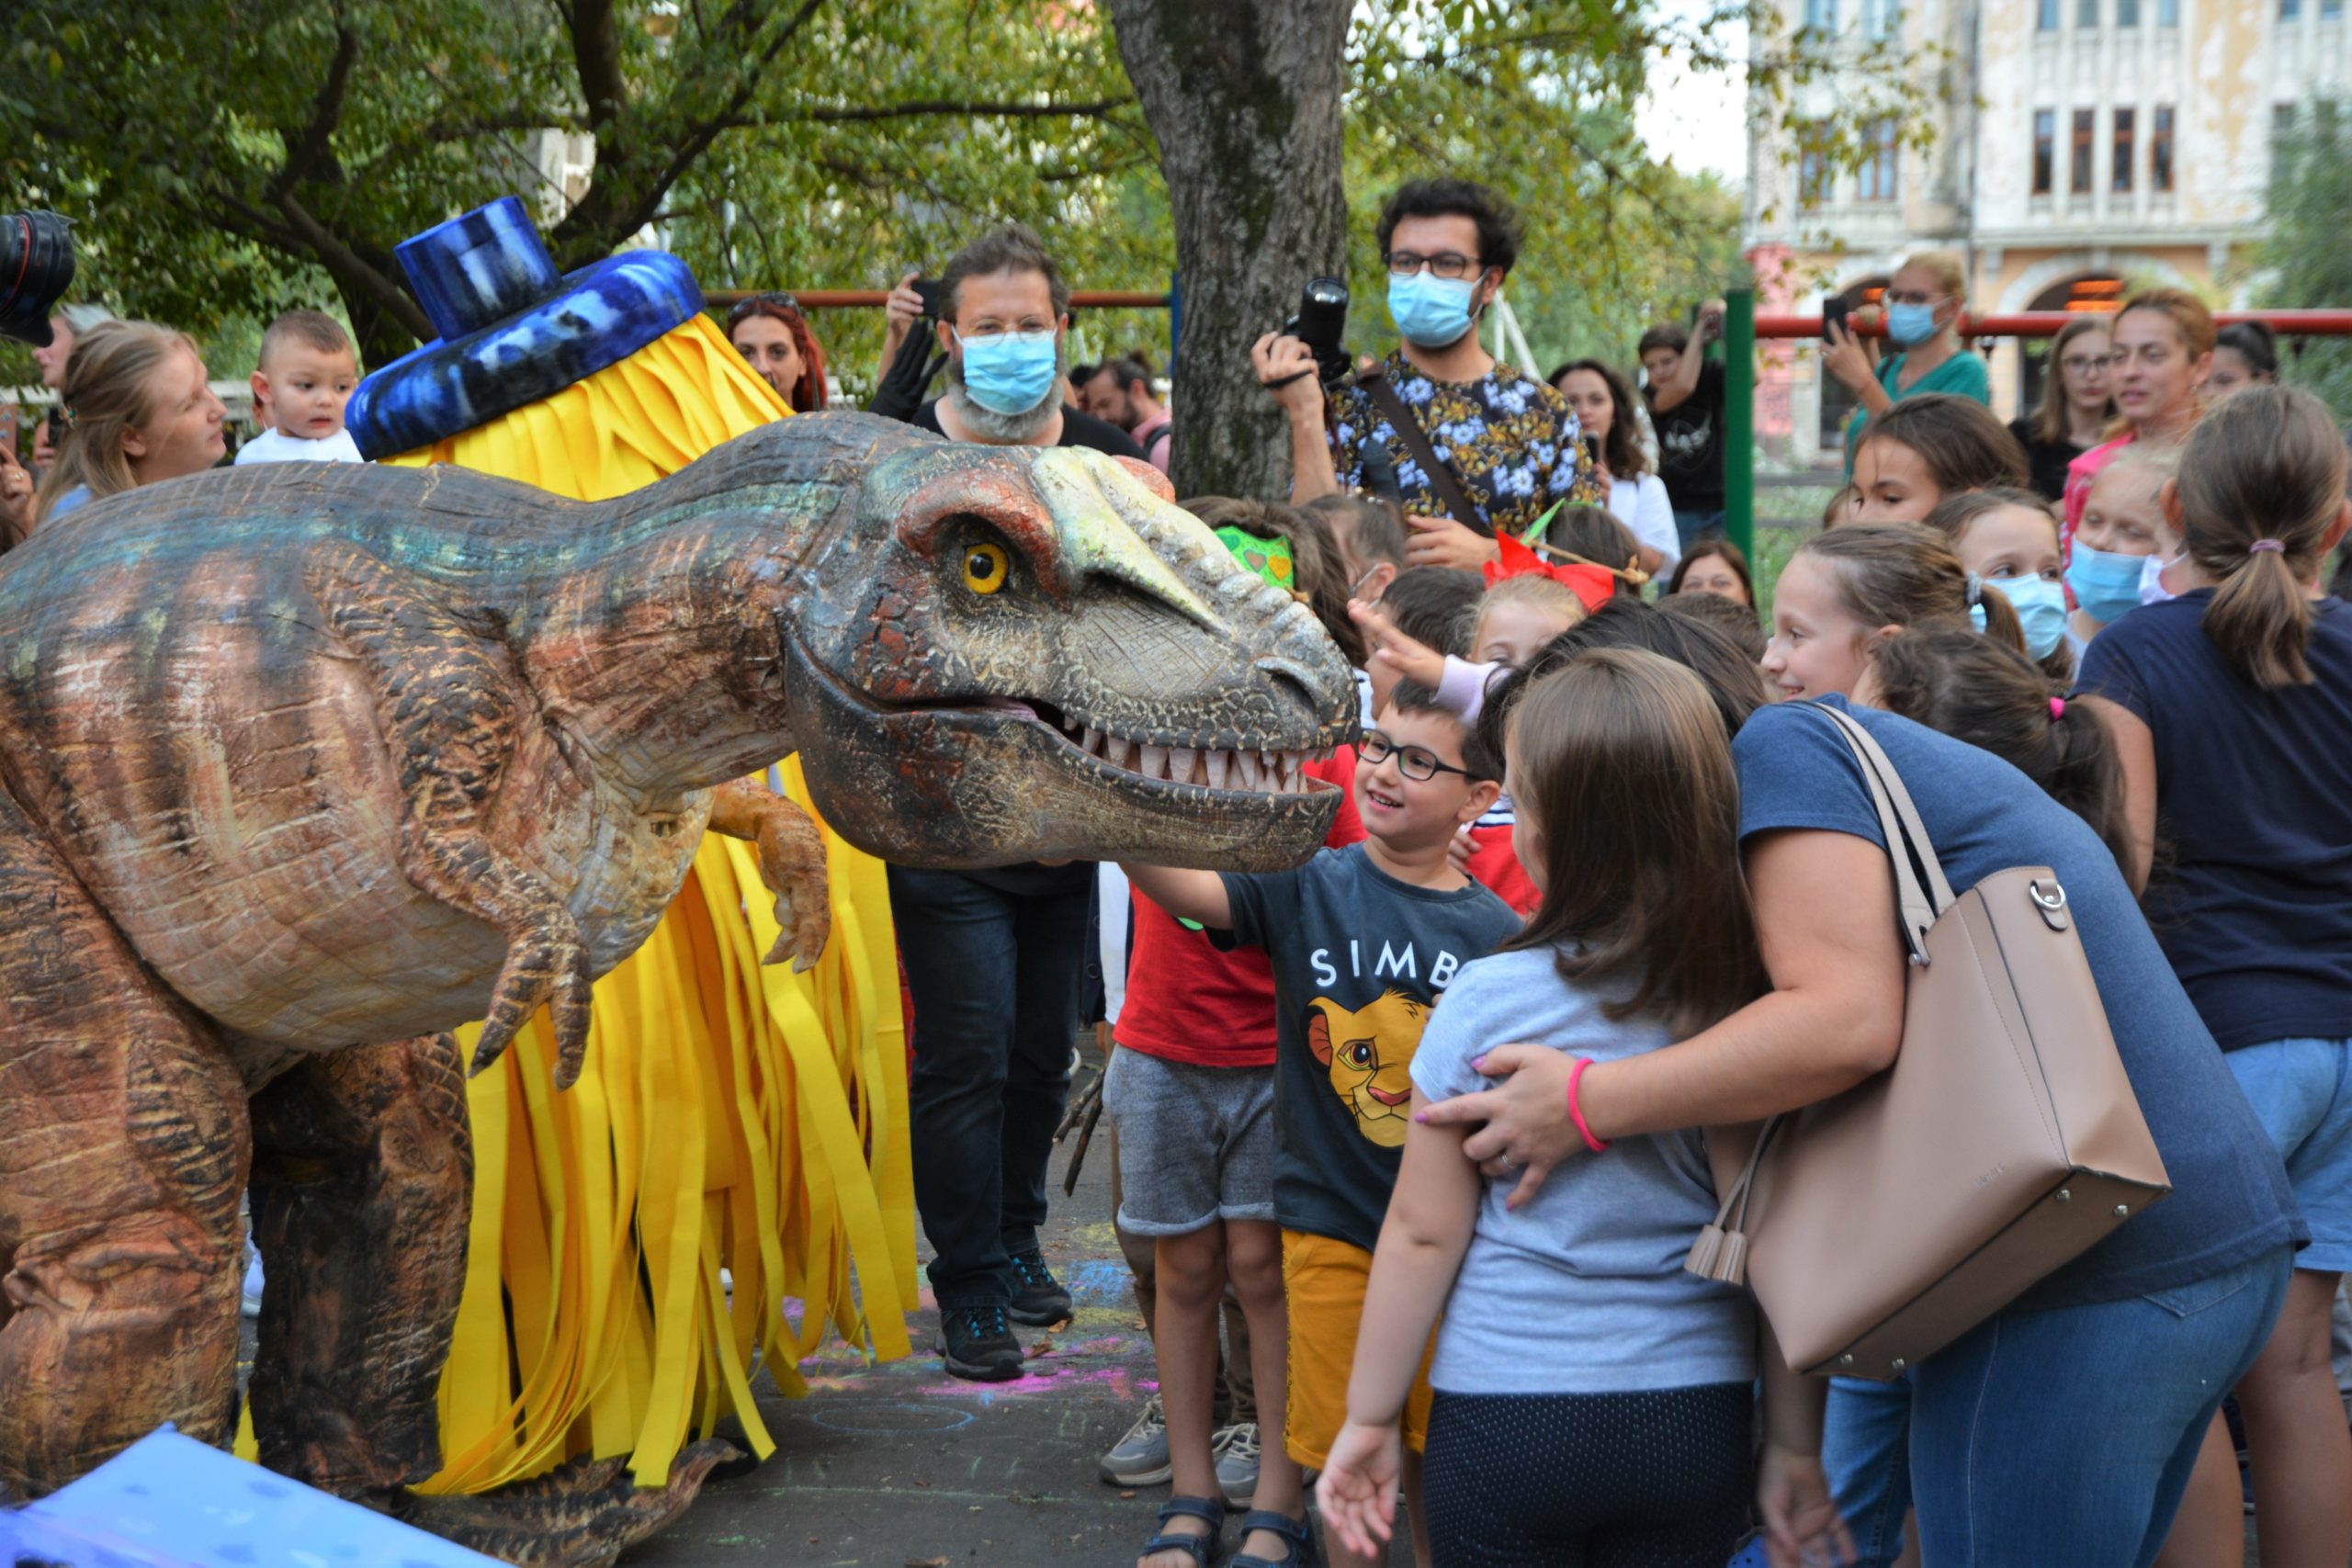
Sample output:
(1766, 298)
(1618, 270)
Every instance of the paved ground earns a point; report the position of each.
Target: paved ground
(897, 1464)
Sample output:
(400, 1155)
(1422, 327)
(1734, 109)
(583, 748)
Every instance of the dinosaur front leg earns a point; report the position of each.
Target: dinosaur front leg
(363, 1167)
(122, 1153)
(451, 709)
(792, 862)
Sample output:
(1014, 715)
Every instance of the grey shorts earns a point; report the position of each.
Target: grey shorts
(1196, 1145)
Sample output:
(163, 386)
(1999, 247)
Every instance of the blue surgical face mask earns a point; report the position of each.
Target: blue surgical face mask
(1430, 311)
(1908, 325)
(2040, 605)
(1009, 373)
(2106, 585)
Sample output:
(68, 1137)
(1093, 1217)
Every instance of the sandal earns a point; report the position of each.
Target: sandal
(1300, 1533)
(1201, 1548)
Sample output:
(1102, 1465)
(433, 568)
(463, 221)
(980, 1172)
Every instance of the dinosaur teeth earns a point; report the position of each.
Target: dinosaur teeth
(1180, 764)
(1153, 764)
(1114, 750)
(1294, 771)
(1091, 740)
(1219, 763)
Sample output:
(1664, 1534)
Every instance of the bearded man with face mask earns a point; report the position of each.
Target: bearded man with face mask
(1512, 445)
(995, 959)
(1004, 326)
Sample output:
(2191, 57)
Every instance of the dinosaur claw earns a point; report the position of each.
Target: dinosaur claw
(493, 1045)
(804, 962)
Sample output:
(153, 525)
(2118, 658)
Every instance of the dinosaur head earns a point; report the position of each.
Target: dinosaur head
(1002, 654)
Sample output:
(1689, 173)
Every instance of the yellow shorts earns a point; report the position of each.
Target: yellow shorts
(1323, 1286)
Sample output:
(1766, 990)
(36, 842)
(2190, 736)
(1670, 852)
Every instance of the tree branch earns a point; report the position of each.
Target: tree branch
(345, 263)
(596, 55)
(326, 112)
(860, 115)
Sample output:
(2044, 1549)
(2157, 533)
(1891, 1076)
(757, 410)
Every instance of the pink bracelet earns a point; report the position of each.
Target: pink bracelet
(1576, 1115)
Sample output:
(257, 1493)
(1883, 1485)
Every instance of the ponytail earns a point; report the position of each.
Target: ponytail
(1989, 694)
(2260, 485)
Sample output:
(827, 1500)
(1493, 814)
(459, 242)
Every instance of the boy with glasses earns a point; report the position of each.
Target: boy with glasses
(1361, 940)
(1508, 447)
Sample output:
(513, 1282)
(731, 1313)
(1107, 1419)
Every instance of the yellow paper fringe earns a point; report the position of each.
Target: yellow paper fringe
(729, 1115)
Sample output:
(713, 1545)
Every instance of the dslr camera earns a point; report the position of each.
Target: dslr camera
(1321, 323)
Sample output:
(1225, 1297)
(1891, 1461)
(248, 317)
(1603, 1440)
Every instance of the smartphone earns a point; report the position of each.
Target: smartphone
(929, 289)
(1833, 312)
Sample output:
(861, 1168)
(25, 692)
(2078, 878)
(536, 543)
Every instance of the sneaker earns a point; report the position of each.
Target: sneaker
(250, 1305)
(1140, 1458)
(1038, 1298)
(1236, 1447)
(978, 1342)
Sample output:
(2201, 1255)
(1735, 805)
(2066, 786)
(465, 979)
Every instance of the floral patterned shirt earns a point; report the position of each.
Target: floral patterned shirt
(1510, 439)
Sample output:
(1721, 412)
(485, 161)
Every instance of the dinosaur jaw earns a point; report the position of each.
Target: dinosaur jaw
(973, 786)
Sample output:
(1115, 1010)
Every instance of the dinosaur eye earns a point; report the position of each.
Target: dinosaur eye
(985, 568)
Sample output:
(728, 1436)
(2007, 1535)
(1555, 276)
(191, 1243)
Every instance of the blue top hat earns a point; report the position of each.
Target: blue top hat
(512, 330)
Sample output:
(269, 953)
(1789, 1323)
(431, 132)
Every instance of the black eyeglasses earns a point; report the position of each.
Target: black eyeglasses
(1445, 264)
(1413, 761)
(750, 303)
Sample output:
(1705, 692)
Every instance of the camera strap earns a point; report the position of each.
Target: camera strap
(1442, 479)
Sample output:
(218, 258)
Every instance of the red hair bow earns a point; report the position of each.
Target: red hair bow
(1592, 585)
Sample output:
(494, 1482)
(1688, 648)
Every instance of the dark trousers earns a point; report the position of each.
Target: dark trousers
(994, 960)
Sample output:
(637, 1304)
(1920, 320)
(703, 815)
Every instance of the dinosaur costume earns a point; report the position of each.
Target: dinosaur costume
(734, 1118)
(304, 757)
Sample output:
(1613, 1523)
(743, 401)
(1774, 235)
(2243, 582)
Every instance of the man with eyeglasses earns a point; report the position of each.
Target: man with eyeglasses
(1508, 445)
(995, 960)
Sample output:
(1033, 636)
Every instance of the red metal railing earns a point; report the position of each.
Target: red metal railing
(2046, 323)
(836, 298)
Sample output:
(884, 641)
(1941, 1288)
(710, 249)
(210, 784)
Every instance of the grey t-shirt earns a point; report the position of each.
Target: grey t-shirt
(1583, 1291)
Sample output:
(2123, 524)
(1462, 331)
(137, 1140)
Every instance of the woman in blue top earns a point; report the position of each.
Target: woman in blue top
(142, 411)
(1924, 300)
(2232, 705)
(2062, 1429)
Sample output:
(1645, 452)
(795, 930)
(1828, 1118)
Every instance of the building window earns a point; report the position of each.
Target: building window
(2168, 13)
(2086, 13)
(1821, 16)
(2083, 150)
(2288, 10)
(2331, 10)
(2127, 13)
(2160, 149)
(1812, 178)
(2120, 176)
(2046, 16)
(1879, 19)
(1878, 172)
(2045, 150)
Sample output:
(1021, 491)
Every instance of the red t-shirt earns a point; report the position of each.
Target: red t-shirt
(1496, 864)
(1186, 1000)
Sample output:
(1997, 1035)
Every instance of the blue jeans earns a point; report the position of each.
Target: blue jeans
(994, 960)
(2058, 1437)
(2301, 1093)
(1689, 525)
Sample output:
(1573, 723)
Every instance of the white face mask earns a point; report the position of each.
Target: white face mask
(2151, 574)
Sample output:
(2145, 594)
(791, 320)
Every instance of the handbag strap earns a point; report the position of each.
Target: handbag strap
(1442, 479)
(1921, 892)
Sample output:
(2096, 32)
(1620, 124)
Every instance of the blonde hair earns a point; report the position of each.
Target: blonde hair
(2261, 483)
(1950, 275)
(1532, 589)
(2145, 458)
(108, 392)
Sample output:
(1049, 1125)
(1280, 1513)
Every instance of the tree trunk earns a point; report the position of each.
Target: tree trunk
(1243, 97)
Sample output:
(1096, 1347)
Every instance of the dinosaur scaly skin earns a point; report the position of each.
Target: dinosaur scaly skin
(306, 759)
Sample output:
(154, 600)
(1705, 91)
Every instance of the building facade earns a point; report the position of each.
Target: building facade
(2079, 148)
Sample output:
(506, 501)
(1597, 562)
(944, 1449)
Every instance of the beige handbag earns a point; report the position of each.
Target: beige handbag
(1878, 1226)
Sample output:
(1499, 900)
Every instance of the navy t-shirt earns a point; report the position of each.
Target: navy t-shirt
(1359, 958)
(2253, 797)
(2230, 1202)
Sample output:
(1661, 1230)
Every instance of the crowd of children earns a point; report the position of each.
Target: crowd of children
(1495, 1051)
